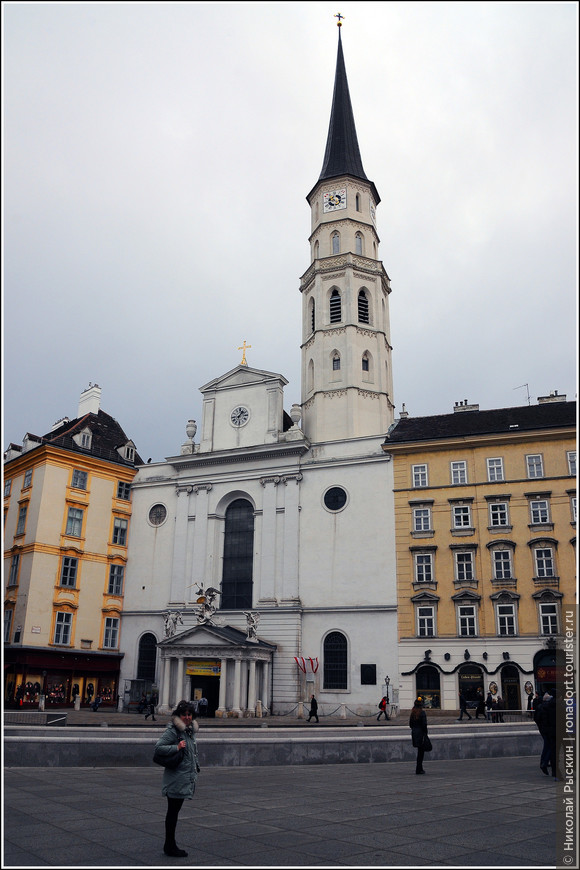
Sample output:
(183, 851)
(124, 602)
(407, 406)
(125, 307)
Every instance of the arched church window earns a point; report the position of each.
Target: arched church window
(336, 362)
(358, 243)
(365, 362)
(363, 307)
(316, 250)
(147, 658)
(312, 315)
(310, 375)
(357, 200)
(335, 661)
(238, 561)
(335, 243)
(335, 307)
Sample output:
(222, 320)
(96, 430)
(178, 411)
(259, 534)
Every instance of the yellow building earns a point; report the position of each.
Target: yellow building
(485, 518)
(67, 510)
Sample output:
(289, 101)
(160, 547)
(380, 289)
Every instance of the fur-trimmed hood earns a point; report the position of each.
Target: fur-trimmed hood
(181, 726)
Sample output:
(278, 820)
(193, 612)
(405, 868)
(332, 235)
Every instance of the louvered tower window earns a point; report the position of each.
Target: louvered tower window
(335, 307)
(363, 307)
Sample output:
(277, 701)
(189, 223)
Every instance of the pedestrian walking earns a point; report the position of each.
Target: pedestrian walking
(202, 706)
(463, 707)
(418, 726)
(178, 782)
(313, 708)
(480, 709)
(383, 708)
(151, 707)
(488, 706)
(547, 724)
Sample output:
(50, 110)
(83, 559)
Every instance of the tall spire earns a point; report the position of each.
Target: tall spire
(342, 156)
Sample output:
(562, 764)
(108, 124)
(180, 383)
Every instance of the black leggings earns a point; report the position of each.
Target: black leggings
(173, 807)
(420, 756)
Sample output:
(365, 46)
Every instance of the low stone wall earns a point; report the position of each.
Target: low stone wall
(34, 717)
(114, 750)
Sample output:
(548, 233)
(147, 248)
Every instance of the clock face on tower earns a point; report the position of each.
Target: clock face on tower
(334, 200)
(239, 416)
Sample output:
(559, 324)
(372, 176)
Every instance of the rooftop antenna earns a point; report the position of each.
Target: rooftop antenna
(527, 386)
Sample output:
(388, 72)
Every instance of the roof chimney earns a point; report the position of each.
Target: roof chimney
(90, 400)
(404, 413)
(464, 406)
(553, 397)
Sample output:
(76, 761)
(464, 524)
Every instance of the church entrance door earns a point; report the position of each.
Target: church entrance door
(208, 688)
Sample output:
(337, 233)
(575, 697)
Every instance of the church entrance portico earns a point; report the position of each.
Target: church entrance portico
(220, 664)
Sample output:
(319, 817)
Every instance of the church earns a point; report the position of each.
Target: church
(261, 566)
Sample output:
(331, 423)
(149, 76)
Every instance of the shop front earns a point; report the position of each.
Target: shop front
(59, 677)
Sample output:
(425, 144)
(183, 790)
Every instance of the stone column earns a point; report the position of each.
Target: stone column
(177, 595)
(266, 686)
(165, 684)
(221, 710)
(237, 688)
(251, 709)
(290, 590)
(179, 682)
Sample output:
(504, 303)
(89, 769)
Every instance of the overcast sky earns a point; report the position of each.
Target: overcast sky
(157, 157)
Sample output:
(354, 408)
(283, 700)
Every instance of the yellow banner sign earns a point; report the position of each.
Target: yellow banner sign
(203, 667)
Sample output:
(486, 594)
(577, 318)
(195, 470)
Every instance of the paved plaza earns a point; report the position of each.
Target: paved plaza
(464, 813)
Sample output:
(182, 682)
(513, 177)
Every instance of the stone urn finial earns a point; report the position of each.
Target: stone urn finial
(191, 429)
(295, 413)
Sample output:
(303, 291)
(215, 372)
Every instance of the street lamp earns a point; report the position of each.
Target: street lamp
(387, 684)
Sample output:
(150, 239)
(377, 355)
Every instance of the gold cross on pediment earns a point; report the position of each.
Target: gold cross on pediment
(244, 348)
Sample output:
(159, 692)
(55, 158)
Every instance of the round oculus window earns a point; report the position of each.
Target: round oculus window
(335, 498)
(157, 514)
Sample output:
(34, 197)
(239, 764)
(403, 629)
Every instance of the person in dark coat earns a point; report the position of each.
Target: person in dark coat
(418, 726)
(151, 707)
(463, 707)
(313, 708)
(488, 706)
(178, 782)
(547, 725)
(480, 710)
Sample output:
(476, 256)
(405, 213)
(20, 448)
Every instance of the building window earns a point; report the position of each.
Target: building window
(363, 307)
(312, 315)
(357, 202)
(7, 487)
(21, 525)
(111, 635)
(14, 566)
(8, 614)
(498, 514)
(420, 477)
(495, 469)
(335, 307)
(335, 243)
(157, 514)
(120, 532)
(573, 508)
(458, 472)
(124, 490)
(86, 440)
(74, 522)
(464, 566)
(68, 571)
(506, 619)
(27, 478)
(62, 628)
(336, 362)
(534, 465)
(549, 619)
(502, 564)
(335, 661)
(129, 453)
(422, 519)
(358, 241)
(424, 568)
(571, 455)
(466, 620)
(79, 479)
(426, 622)
(335, 498)
(147, 658)
(539, 512)
(544, 558)
(116, 577)
(461, 516)
(238, 560)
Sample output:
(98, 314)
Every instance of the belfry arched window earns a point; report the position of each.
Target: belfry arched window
(335, 307)
(316, 250)
(363, 307)
(312, 315)
(335, 243)
(357, 201)
(358, 242)
(238, 561)
(336, 361)
(335, 661)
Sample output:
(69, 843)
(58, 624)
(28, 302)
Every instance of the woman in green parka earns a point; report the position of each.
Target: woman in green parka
(178, 782)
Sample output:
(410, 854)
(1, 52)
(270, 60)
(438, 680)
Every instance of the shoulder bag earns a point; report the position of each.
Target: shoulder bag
(170, 761)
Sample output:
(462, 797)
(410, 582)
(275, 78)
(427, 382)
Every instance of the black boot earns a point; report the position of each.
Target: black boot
(173, 851)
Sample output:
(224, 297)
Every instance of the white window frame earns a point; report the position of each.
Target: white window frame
(68, 572)
(502, 559)
(462, 559)
(111, 632)
(534, 466)
(424, 564)
(120, 531)
(545, 563)
(62, 628)
(74, 522)
(14, 569)
(549, 617)
(497, 511)
(86, 438)
(506, 614)
(79, 479)
(461, 514)
(7, 487)
(422, 519)
(124, 490)
(22, 514)
(27, 478)
(539, 511)
(495, 469)
(573, 508)
(466, 620)
(459, 472)
(425, 620)
(116, 579)
(8, 617)
(571, 457)
(420, 474)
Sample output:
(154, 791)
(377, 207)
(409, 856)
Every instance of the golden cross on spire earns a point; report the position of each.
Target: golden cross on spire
(340, 17)
(244, 348)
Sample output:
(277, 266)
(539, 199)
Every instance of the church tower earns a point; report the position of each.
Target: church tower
(346, 352)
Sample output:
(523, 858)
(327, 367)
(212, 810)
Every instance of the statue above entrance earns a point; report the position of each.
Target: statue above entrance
(252, 620)
(171, 620)
(207, 607)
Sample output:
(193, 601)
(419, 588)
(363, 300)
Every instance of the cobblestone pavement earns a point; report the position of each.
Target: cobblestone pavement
(466, 813)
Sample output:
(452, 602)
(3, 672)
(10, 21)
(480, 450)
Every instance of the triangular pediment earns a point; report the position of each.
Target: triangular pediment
(242, 376)
(223, 636)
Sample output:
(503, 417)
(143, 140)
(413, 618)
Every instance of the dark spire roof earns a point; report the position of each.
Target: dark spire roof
(342, 155)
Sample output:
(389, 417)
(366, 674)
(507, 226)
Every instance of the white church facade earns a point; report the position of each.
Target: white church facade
(261, 564)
